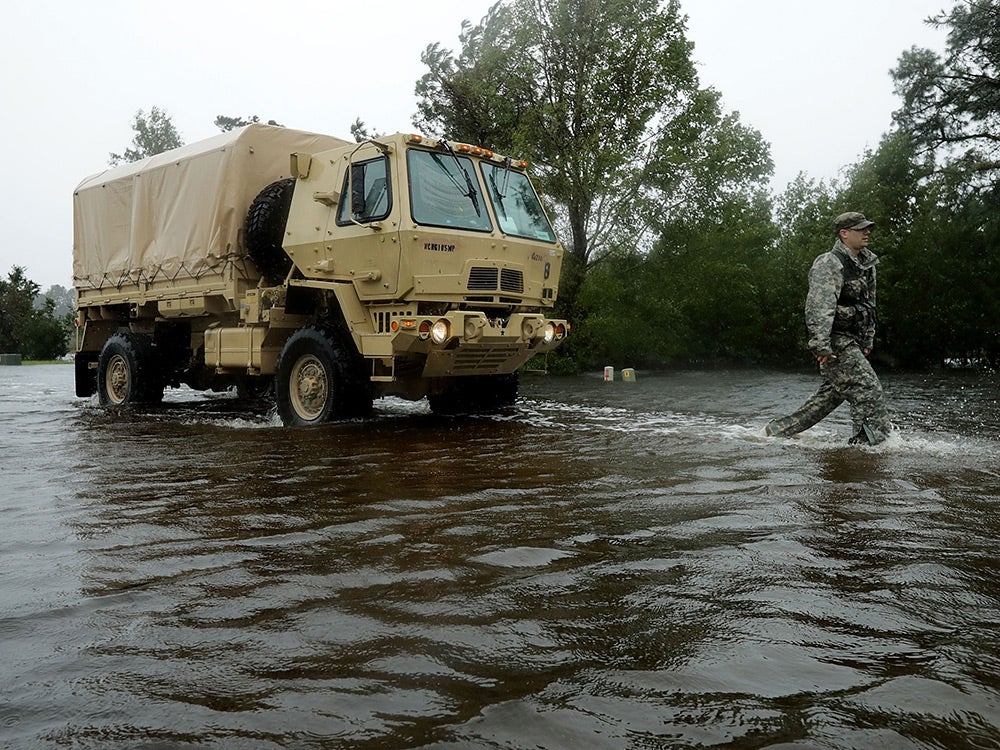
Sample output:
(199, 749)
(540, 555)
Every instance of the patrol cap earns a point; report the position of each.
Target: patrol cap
(851, 220)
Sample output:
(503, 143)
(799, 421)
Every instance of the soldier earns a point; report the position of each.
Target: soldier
(840, 319)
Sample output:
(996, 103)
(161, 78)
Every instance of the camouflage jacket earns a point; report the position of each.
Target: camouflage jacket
(828, 302)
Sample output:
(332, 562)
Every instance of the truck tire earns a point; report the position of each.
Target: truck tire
(476, 394)
(319, 379)
(127, 371)
(265, 230)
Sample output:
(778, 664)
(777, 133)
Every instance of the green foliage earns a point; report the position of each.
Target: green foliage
(653, 185)
(225, 124)
(154, 134)
(938, 245)
(714, 270)
(557, 362)
(804, 214)
(731, 287)
(677, 251)
(44, 334)
(361, 132)
(943, 298)
(702, 293)
(602, 96)
(34, 332)
(632, 317)
(64, 300)
(951, 104)
(16, 295)
(942, 290)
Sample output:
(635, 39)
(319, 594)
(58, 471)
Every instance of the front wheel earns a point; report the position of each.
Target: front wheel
(318, 380)
(127, 371)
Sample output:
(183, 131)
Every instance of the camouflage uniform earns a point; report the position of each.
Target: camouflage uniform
(840, 318)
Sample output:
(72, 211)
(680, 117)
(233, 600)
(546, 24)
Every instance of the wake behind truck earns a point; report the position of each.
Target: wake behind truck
(333, 272)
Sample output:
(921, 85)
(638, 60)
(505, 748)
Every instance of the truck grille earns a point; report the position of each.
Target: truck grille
(484, 279)
(476, 359)
(511, 281)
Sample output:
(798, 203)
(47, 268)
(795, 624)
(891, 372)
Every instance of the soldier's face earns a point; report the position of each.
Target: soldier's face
(855, 239)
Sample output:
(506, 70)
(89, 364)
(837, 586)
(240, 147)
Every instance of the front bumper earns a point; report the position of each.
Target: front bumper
(467, 342)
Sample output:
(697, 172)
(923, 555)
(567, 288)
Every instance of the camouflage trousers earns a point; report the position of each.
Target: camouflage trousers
(849, 378)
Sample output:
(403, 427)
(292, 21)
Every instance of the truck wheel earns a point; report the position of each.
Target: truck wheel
(127, 371)
(265, 229)
(319, 379)
(477, 394)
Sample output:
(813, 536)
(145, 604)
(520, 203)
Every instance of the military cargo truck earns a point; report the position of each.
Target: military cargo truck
(331, 272)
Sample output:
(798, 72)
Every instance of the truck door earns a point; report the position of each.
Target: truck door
(367, 227)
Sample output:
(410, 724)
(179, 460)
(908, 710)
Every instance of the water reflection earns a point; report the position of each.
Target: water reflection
(861, 469)
(600, 568)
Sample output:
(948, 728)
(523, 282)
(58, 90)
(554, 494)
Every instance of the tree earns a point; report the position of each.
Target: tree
(937, 246)
(45, 335)
(63, 298)
(34, 333)
(154, 134)
(603, 97)
(361, 132)
(951, 114)
(16, 296)
(225, 124)
(575, 85)
(951, 104)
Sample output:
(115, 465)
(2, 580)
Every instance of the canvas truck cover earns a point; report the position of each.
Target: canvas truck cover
(179, 213)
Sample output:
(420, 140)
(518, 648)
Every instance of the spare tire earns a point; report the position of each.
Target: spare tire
(265, 230)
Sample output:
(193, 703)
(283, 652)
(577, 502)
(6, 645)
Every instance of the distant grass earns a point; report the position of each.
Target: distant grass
(46, 362)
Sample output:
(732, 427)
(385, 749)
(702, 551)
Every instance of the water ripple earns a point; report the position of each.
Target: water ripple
(604, 566)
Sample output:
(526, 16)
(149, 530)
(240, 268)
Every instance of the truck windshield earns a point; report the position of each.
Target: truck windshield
(440, 194)
(514, 201)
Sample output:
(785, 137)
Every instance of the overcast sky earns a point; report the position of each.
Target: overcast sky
(812, 77)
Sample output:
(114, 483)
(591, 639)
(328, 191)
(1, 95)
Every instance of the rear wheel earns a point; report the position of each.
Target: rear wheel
(127, 371)
(319, 379)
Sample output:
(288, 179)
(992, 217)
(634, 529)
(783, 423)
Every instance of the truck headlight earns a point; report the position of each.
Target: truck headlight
(440, 331)
(550, 333)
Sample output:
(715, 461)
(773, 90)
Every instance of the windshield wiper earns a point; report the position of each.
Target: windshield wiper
(498, 194)
(472, 195)
(501, 194)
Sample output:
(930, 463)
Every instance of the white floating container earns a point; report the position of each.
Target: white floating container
(609, 374)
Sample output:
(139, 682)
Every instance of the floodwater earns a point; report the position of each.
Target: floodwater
(610, 565)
